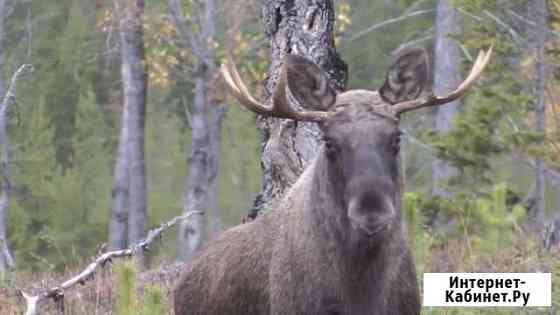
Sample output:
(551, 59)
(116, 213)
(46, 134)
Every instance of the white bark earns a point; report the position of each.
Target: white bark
(196, 186)
(541, 30)
(197, 182)
(134, 78)
(218, 115)
(119, 214)
(303, 28)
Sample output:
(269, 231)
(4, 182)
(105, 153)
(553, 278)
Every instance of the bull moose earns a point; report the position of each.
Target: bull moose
(337, 243)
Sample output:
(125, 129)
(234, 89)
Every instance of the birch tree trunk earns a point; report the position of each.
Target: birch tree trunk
(196, 193)
(119, 213)
(447, 75)
(302, 27)
(134, 78)
(196, 186)
(218, 115)
(541, 18)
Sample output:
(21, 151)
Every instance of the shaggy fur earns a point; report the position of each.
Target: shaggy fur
(337, 244)
(306, 257)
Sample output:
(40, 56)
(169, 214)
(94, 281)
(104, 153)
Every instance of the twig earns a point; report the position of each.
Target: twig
(57, 293)
(10, 94)
(415, 42)
(472, 16)
(185, 30)
(387, 22)
(529, 22)
(504, 25)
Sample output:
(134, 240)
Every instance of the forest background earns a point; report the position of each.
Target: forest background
(482, 177)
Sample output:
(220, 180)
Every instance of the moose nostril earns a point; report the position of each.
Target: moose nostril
(371, 196)
(371, 202)
(370, 213)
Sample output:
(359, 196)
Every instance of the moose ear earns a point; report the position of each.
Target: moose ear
(407, 77)
(308, 83)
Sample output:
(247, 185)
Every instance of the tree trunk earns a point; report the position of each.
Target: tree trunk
(447, 76)
(134, 78)
(541, 18)
(301, 27)
(196, 186)
(216, 121)
(197, 183)
(119, 213)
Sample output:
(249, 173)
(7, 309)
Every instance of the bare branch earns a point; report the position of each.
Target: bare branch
(529, 22)
(185, 30)
(387, 22)
(504, 25)
(57, 293)
(415, 42)
(11, 93)
(472, 16)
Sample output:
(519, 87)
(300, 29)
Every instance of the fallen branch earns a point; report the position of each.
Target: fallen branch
(57, 293)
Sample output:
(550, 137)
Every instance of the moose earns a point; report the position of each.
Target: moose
(337, 243)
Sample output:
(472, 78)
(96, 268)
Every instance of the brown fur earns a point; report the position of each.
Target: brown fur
(303, 258)
(337, 243)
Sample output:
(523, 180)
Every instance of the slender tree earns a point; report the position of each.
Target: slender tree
(135, 81)
(202, 46)
(216, 121)
(304, 28)
(540, 13)
(447, 74)
(119, 212)
(130, 174)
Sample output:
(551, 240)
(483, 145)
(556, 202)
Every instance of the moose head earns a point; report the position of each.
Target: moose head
(360, 128)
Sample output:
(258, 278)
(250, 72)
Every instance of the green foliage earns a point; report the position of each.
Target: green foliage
(153, 304)
(64, 129)
(127, 300)
(493, 120)
(65, 125)
(48, 202)
(418, 232)
(33, 184)
(485, 236)
(487, 224)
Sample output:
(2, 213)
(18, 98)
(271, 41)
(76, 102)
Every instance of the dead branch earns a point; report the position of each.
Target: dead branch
(514, 35)
(57, 293)
(389, 21)
(5, 172)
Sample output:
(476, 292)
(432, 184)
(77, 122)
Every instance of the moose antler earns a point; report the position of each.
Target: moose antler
(433, 100)
(280, 104)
